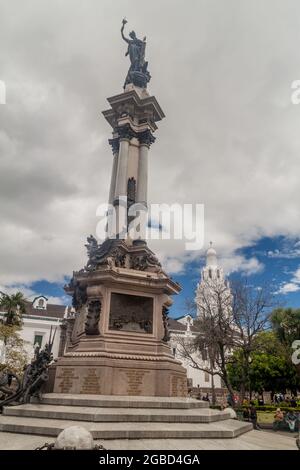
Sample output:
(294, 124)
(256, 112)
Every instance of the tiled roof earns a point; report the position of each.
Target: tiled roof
(52, 311)
(175, 325)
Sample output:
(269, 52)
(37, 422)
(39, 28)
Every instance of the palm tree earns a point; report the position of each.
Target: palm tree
(286, 323)
(14, 307)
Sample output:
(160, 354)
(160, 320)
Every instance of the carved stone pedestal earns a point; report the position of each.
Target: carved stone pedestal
(119, 341)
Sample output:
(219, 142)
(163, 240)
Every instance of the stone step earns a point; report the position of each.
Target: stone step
(52, 427)
(97, 414)
(111, 401)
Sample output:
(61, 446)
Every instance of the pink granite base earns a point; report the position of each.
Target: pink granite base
(108, 376)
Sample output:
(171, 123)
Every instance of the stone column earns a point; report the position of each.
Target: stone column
(121, 178)
(145, 140)
(115, 148)
(63, 338)
(142, 180)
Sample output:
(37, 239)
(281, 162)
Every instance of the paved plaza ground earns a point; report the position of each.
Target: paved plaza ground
(253, 440)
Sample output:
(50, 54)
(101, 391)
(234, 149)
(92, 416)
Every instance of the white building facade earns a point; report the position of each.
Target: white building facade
(38, 320)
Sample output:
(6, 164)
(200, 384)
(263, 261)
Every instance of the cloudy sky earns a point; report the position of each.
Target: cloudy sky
(222, 72)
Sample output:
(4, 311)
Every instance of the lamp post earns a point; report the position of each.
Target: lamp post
(249, 376)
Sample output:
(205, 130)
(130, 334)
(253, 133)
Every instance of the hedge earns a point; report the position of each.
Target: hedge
(262, 408)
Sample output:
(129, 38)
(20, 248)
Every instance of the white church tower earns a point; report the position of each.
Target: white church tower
(212, 281)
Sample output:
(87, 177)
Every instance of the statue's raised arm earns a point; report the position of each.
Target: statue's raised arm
(124, 21)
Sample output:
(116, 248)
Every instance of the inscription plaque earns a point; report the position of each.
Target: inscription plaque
(91, 384)
(178, 386)
(67, 377)
(135, 381)
(131, 313)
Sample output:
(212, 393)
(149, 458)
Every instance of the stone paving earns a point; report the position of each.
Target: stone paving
(253, 440)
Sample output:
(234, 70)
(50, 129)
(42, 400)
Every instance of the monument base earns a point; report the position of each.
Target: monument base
(117, 343)
(107, 376)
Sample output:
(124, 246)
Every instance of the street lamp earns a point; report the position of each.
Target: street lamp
(249, 376)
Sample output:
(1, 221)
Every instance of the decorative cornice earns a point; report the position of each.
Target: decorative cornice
(121, 356)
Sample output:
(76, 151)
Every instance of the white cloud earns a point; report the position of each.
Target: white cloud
(293, 285)
(230, 139)
(26, 291)
(287, 253)
(241, 264)
(288, 287)
(30, 294)
(296, 277)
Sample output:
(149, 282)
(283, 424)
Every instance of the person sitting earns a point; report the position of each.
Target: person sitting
(278, 419)
(293, 402)
(246, 401)
(291, 420)
(246, 414)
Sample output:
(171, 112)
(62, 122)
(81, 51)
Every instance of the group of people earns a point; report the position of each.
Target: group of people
(258, 399)
(289, 418)
(279, 398)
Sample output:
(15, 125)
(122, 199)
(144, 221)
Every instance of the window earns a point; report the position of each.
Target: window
(190, 383)
(206, 376)
(218, 274)
(204, 355)
(210, 273)
(174, 351)
(40, 304)
(38, 339)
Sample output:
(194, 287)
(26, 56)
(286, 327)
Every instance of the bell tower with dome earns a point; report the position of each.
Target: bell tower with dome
(212, 280)
(212, 271)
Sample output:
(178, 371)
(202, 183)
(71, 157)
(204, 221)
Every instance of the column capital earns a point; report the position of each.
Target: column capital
(115, 145)
(146, 138)
(125, 132)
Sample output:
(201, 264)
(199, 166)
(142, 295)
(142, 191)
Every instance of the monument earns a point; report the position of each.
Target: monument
(117, 344)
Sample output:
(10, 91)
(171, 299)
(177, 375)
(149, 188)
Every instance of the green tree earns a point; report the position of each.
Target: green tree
(14, 306)
(270, 367)
(286, 323)
(251, 310)
(14, 355)
(12, 348)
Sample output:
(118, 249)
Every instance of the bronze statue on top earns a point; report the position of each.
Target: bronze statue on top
(137, 73)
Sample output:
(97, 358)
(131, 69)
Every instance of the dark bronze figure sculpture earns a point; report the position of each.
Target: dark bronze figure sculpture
(34, 377)
(137, 73)
(9, 385)
(93, 317)
(165, 316)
